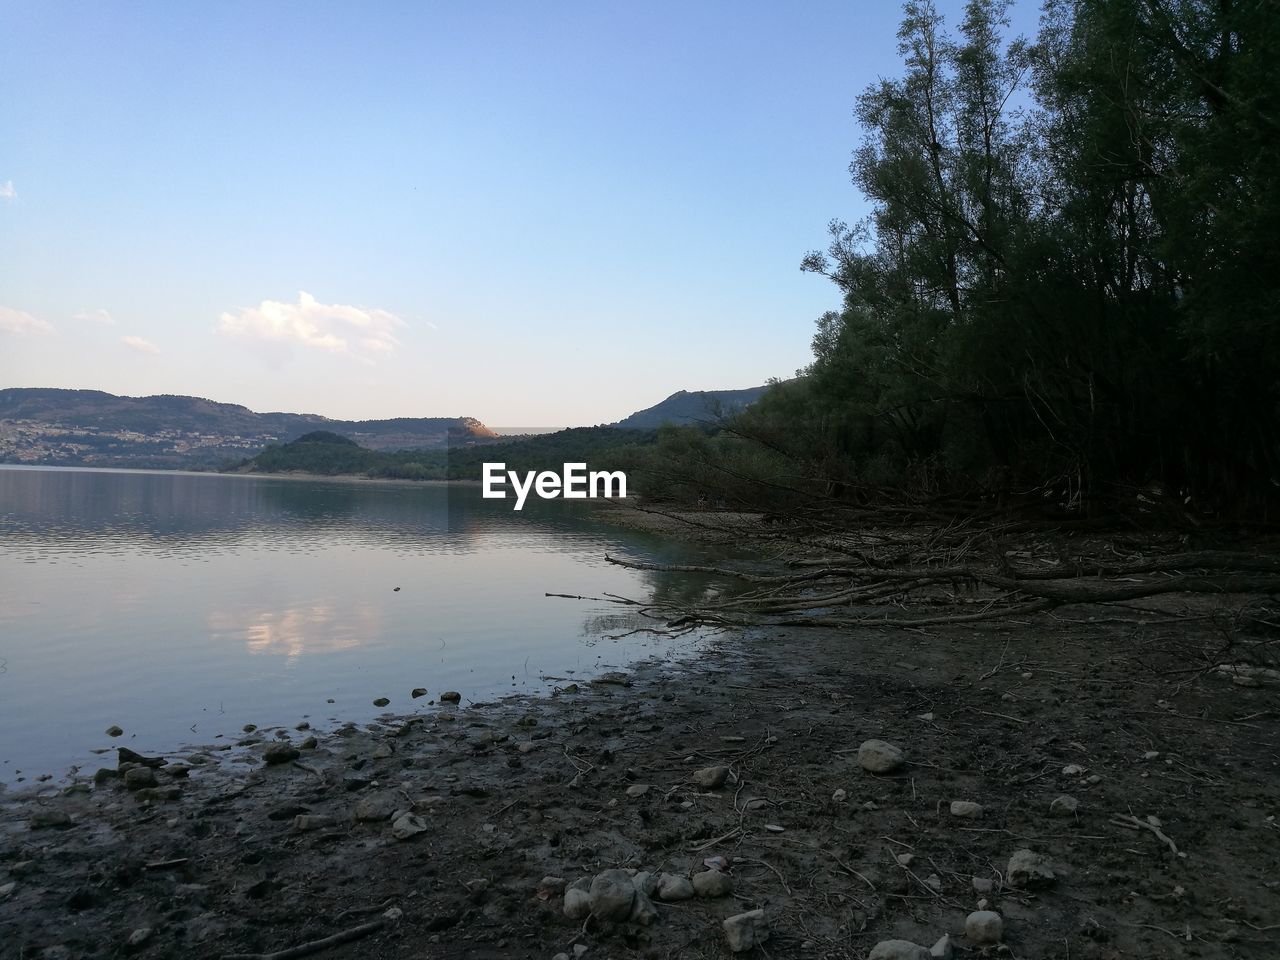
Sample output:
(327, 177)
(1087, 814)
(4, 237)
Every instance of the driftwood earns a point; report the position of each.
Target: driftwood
(951, 573)
(324, 943)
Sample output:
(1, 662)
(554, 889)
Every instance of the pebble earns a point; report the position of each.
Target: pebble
(1072, 770)
(418, 692)
(304, 823)
(7, 889)
(378, 806)
(138, 938)
(451, 696)
(579, 949)
(643, 912)
(967, 809)
(711, 883)
(711, 778)
(673, 888)
(899, 950)
(984, 927)
(1151, 755)
(382, 751)
(746, 930)
(1064, 806)
(983, 885)
(840, 796)
(877, 756)
(637, 790)
(381, 702)
(408, 825)
(280, 752)
(905, 859)
(942, 950)
(612, 895)
(1028, 869)
(577, 903)
(114, 731)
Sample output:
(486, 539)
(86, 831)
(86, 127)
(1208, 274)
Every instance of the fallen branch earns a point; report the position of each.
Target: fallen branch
(324, 943)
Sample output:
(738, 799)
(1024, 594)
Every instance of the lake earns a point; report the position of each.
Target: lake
(181, 607)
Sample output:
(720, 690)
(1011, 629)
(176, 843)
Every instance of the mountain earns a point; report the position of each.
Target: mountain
(692, 407)
(90, 427)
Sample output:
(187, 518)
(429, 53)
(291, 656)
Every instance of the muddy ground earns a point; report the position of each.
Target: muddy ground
(1116, 707)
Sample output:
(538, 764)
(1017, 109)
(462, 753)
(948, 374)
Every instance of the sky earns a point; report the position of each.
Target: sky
(542, 214)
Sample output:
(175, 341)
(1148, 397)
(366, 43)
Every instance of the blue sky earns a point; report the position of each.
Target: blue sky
(534, 214)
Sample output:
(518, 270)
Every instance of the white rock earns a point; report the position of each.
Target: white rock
(967, 809)
(1072, 770)
(710, 778)
(840, 796)
(905, 859)
(982, 885)
(942, 950)
(984, 927)
(672, 888)
(637, 790)
(877, 756)
(612, 894)
(899, 950)
(577, 903)
(1151, 755)
(746, 930)
(1064, 806)
(408, 825)
(1027, 869)
(711, 883)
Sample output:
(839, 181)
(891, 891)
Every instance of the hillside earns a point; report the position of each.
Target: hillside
(90, 427)
(692, 407)
(327, 454)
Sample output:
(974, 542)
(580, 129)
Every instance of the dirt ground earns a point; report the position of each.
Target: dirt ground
(1117, 707)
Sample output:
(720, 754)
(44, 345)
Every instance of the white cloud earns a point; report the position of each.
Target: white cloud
(95, 316)
(140, 344)
(22, 323)
(7, 192)
(334, 327)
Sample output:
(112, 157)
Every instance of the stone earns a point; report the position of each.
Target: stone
(376, 806)
(418, 692)
(451, 696)
(7, 889)
(1072, 770)
(612, 895)
(579, 950)
(983, 885)
(643, 912)
(711, 883)
(382, 751)
(408, 825)
(577, 903)
(710, 778)
(281, 752)
(942, 950)
(138, 777)
(104, 774)
(984, 927)
(645, 882)
(549, 887)
(673, 888)
(840, 796)
(381, 702)
(905, 859)
(899, 950)
(1064, 806)
(877, 756)
(114, 731)
(966, 809)
(1028, 869)
(637, 790)
(746, 930)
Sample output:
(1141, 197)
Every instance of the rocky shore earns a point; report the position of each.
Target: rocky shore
(1062, 789)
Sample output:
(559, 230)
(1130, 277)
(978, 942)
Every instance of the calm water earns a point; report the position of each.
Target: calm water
(183, 606)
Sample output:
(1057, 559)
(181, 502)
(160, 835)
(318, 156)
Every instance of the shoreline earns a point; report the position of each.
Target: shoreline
(455, 818)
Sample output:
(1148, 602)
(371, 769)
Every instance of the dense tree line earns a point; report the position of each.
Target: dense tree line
(1069, 282)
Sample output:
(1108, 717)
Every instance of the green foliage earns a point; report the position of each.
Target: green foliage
(326, 436)
(1070, 275)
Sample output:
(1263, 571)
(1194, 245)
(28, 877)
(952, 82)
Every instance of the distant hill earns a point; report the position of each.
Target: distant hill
(692, 407)
(328, 454)
(90, 427)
